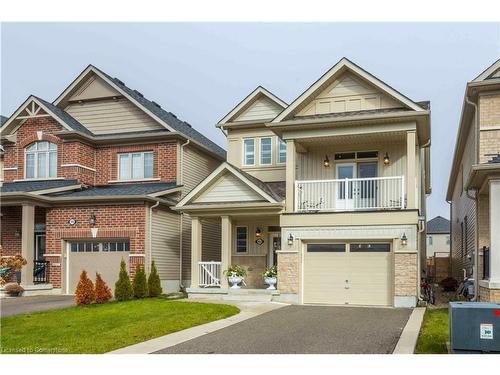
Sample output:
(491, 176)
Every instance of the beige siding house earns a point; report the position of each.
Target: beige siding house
(474, 187)
(330, 189)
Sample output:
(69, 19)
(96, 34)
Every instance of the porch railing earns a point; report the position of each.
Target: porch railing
(350, 194)
(209, 274)
(40, 271)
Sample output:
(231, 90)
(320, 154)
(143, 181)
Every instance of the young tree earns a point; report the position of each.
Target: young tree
(140, 283)
(102, 291)
(154, 284)
(123, 287)
(85, 293)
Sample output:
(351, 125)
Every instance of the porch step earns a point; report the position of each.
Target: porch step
(250, 295)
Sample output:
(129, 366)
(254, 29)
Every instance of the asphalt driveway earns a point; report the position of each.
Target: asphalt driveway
(305, 330)
(23, 305)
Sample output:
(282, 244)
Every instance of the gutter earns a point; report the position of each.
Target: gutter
(181, 237)
(150, 239)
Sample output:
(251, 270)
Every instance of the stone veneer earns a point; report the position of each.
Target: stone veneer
(405, 274)
(288, 272)
(489, 295)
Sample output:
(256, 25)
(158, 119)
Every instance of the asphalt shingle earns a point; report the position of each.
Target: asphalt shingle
(31, 186)
(438, 225)
(121, 189)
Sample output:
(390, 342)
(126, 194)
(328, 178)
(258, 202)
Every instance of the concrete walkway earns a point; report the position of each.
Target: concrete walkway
(408, 340)
(248, 310)
(24, 305)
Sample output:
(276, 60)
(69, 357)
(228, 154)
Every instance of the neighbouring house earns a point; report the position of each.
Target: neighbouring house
(330, 188)
(438, 248)
(91, 179)
(474, 187)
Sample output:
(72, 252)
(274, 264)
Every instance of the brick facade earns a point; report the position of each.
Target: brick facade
(405, 274)
(288, 272)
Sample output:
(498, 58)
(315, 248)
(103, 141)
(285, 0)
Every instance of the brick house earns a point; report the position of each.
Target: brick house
(91, 179)
(474, 187)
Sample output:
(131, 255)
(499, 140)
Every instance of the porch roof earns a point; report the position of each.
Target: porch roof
(36, 185)
(123, 189)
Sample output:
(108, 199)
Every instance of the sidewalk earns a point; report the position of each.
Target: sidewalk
(409, 336)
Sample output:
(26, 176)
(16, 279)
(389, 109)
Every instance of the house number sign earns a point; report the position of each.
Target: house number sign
(259, 241)
(72, 221)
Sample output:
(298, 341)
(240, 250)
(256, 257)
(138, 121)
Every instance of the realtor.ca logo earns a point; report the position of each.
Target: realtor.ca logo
(486, 331)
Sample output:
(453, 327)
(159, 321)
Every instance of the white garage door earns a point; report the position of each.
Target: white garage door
(347, 273)
(96, 256)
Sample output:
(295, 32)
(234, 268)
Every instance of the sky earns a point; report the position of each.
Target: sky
(200, 71)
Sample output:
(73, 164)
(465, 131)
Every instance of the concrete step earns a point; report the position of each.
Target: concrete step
(248, 297)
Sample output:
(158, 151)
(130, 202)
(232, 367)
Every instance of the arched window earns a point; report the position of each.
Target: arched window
(41, 160)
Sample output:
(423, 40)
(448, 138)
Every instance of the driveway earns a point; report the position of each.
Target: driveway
(304, 330)
(23, 305)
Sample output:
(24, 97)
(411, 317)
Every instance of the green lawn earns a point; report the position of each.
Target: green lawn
(434, 332)
(102, 328)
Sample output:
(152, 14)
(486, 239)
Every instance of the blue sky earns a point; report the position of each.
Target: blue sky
(200, 71)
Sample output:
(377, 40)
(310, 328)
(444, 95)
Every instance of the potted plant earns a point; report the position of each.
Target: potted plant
(13, 289)
(235, 275)
(270, 277)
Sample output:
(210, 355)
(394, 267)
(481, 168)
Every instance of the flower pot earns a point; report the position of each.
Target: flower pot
(271, 281)
(234, 280)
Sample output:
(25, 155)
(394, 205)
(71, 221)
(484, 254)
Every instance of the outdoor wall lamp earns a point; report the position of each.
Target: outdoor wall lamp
(326, 162)
(17, 233)
(290, 239)
(387, 160)
(92, 219)
(404, 240)
(258, 233)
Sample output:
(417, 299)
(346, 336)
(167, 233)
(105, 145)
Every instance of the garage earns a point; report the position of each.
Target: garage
(351, 273)
(96, 256)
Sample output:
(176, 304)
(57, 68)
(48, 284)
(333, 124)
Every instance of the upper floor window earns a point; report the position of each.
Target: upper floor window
(281, 151)
(266, 151)
(448, 240)
(135, 165)
(249, 151)
(429, 240)
(41, 160)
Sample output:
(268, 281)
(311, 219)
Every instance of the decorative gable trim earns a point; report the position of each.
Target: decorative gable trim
(493, 71)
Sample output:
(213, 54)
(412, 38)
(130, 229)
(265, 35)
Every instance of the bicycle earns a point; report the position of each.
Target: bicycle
(427, 288)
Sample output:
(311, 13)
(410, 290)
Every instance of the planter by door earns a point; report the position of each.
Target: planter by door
(235, 280)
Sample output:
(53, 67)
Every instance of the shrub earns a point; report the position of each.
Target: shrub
(102, 291)
(123, 287)
(154, 284)
(85, 293)
(140, 283)
(13, 289)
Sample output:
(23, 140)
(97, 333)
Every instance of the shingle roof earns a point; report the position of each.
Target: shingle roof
(438, 225)
(3, 119)
(270, 188)
(121, 189)
(31, 186)
(495, 159)
(65, 117)
(352, 113)
(181, 126)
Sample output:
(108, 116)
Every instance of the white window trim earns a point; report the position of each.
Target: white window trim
(236, 239)
(131, 165)
(244, 161)
(278, 162)
(260, 151)
(48, 151)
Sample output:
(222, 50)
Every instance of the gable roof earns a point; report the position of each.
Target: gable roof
(259, 92)
(165, 118)
(3, 119)
(345, 65)
(489, 72)
(438, 225)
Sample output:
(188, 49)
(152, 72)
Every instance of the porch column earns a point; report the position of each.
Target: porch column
(494, 234)
(28, 243)
(411, 182)
(196, 228)
(290, 175)
(226, 245)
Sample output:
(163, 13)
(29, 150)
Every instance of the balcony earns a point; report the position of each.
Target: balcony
(350, 194)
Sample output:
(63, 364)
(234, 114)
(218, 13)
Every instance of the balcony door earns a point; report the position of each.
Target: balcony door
(366, 190)
(345, 190)
(360, 193)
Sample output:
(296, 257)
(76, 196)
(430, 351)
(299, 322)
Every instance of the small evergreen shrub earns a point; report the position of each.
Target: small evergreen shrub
(123, 287)
(154, 284)
(102, 291)
(85, 293)
(140, 283)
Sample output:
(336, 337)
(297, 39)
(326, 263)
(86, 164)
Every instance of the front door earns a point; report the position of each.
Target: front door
(345, 189)
(274, 244)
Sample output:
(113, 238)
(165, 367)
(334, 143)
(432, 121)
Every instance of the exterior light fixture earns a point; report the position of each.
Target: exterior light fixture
(92, 219)
(326, 162)
(404, 240)
(17, 233)
(387, 160)
(290, 239)
(258, 233)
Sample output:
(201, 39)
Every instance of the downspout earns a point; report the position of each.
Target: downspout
(151, 226)
(181, 182)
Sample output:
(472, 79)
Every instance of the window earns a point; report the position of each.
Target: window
(429, 240)
(249, 152)
(135, 165)
(241, 239)
(466, 236)
(462, 239)
(326, 248)
(281, 151)
(448, 241)
(370, 248)
(41, 160)
(266, 151)
(94, 247)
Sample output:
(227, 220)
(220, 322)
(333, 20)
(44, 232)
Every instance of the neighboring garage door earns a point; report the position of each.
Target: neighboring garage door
(97, 256)
(348, 273)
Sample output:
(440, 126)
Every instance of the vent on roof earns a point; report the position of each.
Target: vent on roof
(156, 104)
(138, 93)
(119, 81)
(172, 114)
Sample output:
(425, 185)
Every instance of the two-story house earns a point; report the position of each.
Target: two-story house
(91, 179)
(330, 188)
(474, 187)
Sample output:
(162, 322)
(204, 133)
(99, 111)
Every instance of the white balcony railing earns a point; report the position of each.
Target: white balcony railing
(209, 274)
(351, 194)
